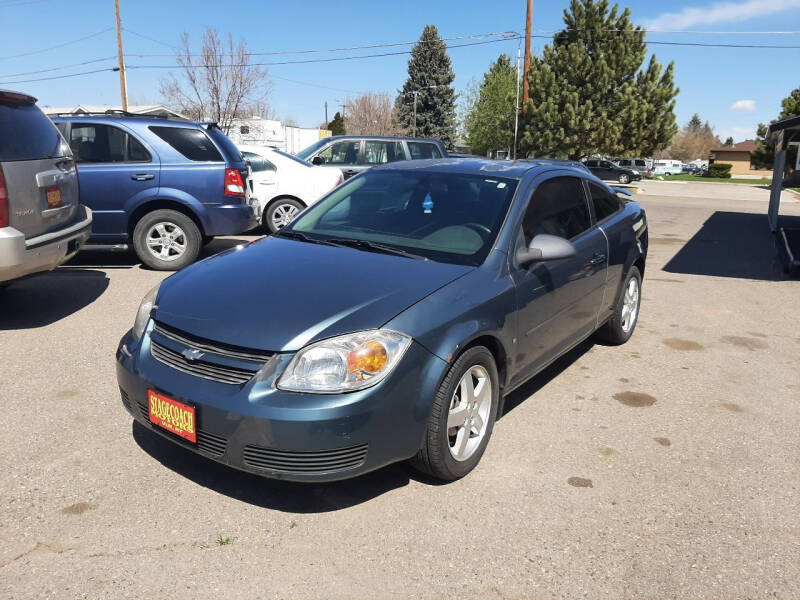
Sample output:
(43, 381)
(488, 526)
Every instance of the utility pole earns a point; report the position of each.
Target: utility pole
(326, 113)
(415, 93)
(527, 53)
(121, 60)
(516, 110)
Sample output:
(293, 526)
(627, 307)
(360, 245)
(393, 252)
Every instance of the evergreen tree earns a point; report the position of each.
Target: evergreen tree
(430, 78)
(728, 142)
(764, 154)
(337, 125)
(490, 120)
(589, 93)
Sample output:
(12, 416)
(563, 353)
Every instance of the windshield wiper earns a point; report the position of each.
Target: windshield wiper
(374, 247)
(296, 235)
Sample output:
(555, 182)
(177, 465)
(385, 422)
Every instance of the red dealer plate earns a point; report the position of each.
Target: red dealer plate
(176, 417)
(53, 197)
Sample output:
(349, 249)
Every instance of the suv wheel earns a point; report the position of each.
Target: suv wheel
(280, 213)
(619, 328)
(624, 178)
(166, 240)
(462, 417)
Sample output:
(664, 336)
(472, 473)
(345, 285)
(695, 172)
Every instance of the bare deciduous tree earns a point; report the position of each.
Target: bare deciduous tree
(371, 114)
(218, 84)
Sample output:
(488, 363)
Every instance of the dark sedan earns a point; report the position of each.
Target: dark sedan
(608, 171)
(388, 321)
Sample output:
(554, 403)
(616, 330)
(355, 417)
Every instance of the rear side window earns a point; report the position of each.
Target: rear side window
(192, 143)
(624, 163)
(27, 134)
(605, 204)
(230, 149)
(591, 163)
(257, 162)
(420, 150)
(341, 153)
(95, 143)
(558, 207)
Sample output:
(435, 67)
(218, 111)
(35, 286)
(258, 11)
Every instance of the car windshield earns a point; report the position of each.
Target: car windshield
(306, 152)
(445, 217)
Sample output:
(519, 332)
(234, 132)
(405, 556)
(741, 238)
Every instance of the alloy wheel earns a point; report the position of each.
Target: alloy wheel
(630, 305)
(468, 416)
(282, 215)
(166, 241)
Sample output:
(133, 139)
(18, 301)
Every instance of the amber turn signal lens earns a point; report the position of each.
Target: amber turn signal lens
(371, 358)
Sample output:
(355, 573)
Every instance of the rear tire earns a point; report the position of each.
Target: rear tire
(619, 328)
(166, 240)
(280, 212)
(624, 179)
(462, 417)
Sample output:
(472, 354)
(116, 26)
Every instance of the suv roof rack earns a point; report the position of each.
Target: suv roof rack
(111, 112)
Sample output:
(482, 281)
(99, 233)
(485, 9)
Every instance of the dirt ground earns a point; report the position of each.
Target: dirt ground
(665, 468)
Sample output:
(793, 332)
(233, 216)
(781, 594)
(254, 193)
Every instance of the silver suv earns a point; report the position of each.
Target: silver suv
(42, 223)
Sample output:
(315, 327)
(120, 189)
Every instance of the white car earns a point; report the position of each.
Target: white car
(284, 184)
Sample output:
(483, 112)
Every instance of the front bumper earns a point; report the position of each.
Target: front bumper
(20, 257)
(258, 428)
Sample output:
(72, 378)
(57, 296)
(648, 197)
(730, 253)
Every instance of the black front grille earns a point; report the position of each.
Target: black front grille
(205, 345)
(209, 443)
(204, 369)
(326, 461)
(125, 399)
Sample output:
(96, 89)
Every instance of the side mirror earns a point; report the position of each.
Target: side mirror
(545, 247)
(318, 160)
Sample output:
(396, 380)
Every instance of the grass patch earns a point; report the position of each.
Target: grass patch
(688, 177)
(224, 540)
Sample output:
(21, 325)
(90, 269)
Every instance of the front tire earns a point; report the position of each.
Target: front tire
(166, 240)
(462, 417)
(280, 212)
(619, 328)
(624, 178)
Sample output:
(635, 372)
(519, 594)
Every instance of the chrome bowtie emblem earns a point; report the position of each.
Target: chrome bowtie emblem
(192, 354)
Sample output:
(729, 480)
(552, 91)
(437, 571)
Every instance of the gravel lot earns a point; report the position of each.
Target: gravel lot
(666, 468)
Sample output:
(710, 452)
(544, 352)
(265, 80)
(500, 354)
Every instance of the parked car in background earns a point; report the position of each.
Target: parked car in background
(438, 288)
(691, 169)
(636, 164)
(667, 167)
(166, 187)
(42, 223)
(608, 171)
(284, 185)
(354, 154)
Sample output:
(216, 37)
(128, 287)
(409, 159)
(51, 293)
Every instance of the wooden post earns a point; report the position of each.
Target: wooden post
(527, 67)
(121, 60)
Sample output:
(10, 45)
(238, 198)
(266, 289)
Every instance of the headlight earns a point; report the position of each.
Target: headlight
(143, 315)
(345, 363)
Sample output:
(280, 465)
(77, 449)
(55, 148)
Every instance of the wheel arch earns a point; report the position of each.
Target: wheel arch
(162, 204)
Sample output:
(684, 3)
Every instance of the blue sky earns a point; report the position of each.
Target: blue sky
(732, 88)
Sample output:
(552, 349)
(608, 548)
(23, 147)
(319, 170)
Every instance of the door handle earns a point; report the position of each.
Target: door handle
(596, 260)
(143, 176)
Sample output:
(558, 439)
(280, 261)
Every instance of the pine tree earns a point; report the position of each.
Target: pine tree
(337, 125)
(589, 93)
(764, 154)
(490, 121)
(430, 78)
(729, 141)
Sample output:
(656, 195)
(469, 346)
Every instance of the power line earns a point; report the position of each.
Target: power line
(43, 50)
(113, 69)
(146, 37)
(61, 68)
(674, 31)
(699, 44)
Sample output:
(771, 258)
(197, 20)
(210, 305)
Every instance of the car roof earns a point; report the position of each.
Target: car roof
(130, 120)
(513, 169)
(381, 137)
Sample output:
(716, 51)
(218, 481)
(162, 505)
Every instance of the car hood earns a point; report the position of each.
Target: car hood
(278, 295)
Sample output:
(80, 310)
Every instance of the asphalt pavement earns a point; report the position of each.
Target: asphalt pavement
(665, 468)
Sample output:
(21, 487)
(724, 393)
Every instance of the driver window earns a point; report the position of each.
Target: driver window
(341, 153)
(558, 207)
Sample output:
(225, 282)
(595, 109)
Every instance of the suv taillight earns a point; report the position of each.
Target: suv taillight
(3, 201)
(234, 186)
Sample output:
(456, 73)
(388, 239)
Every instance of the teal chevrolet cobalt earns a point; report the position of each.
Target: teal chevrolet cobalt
(388, 321)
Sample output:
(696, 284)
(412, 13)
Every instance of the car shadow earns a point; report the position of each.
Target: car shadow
(732, 244)
(126, 259)
(536, 383)
(286, 496)
(49, 297)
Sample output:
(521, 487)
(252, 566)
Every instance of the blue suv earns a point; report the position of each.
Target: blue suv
(166, 187)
